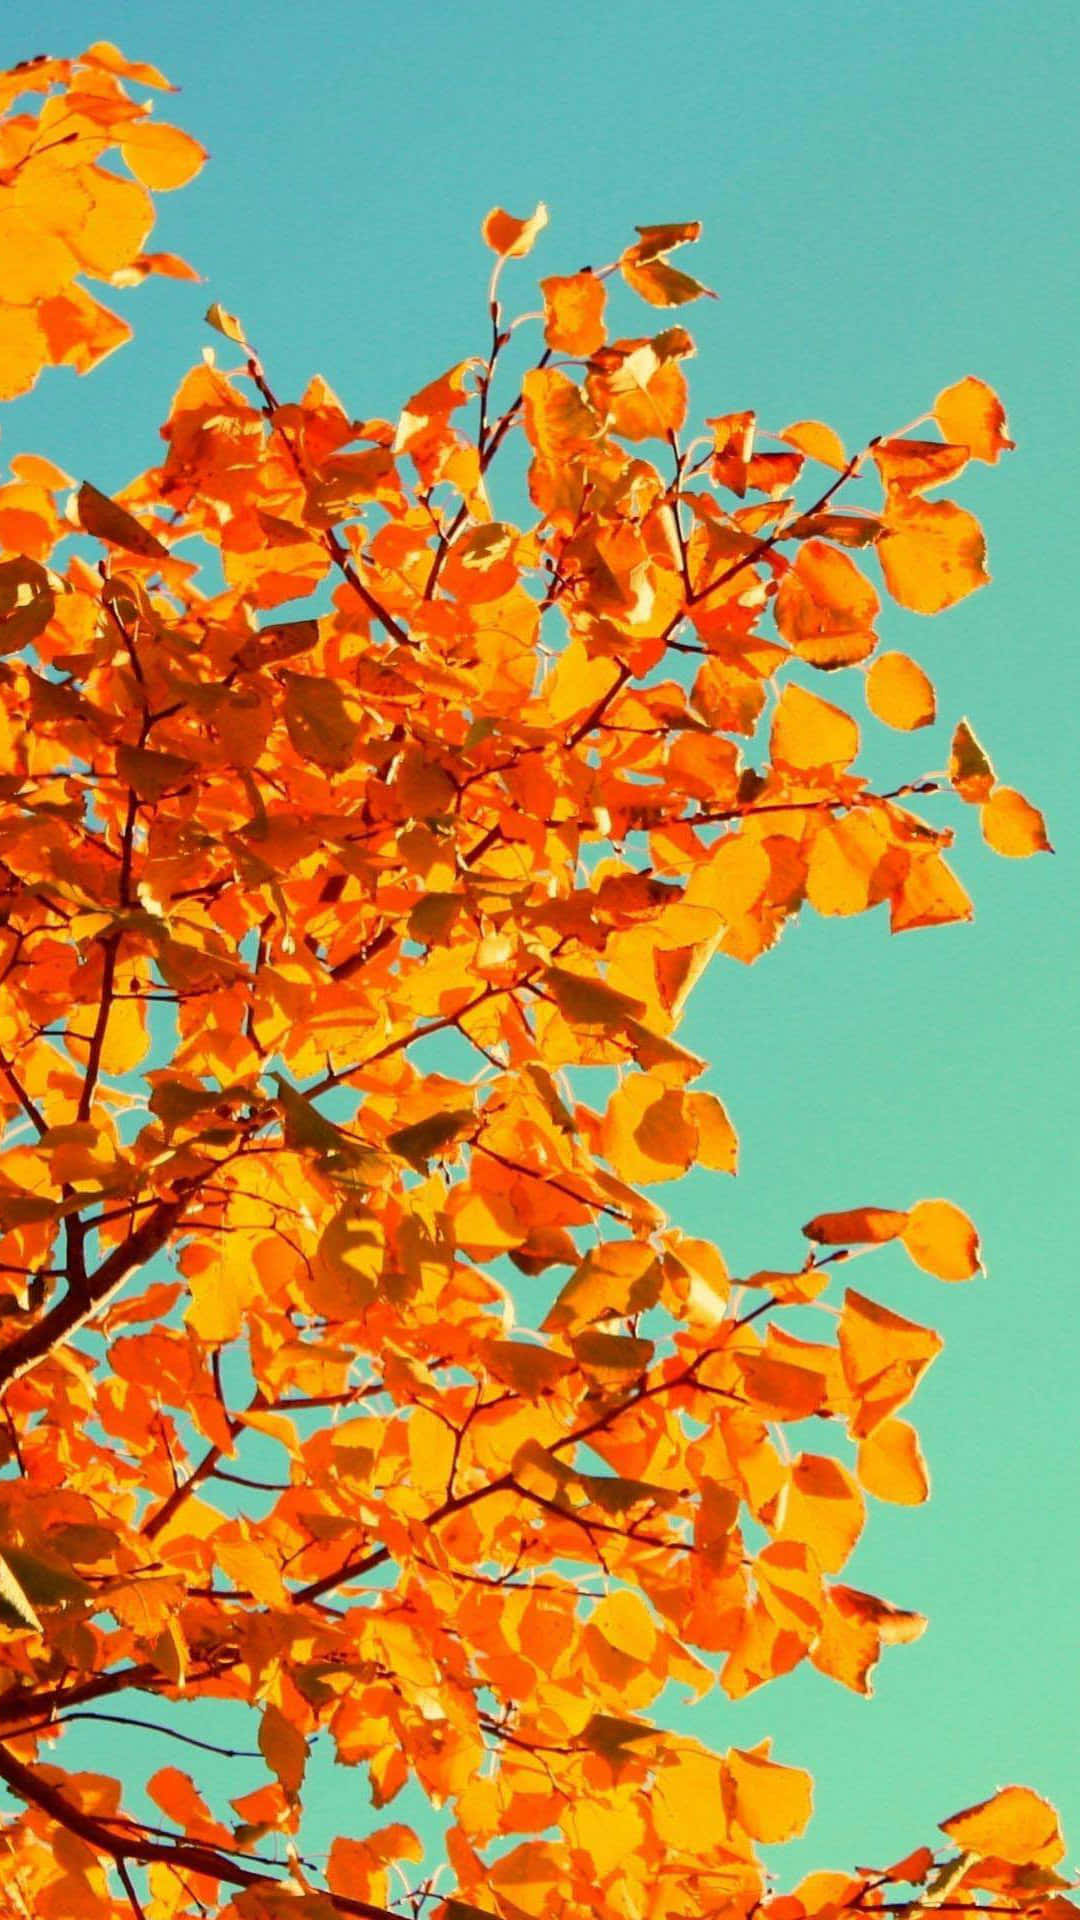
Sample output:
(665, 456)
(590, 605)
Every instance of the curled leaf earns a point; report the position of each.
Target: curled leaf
(511, 238)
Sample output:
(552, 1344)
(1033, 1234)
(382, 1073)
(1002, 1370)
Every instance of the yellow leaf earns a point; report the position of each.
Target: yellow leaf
(916, 466)
(226, 323)
(430, 1137)
(1015, 1824)
(848, 869)
(1012, 826)
(932, 553)
(660, 284)
(647, 1134)
(899, 693)
(149, 774)
(930, 895)
(971, 415)
(810, 734)
(220, 1296)
(180, 1800)
(619, 1277)
(15, 1608)
(717, 1142)
(127, 1040)
(169, 1651)
(826, 608)
(109, 58)
(890, 1464)
(249, 1566)
(818, 442)
(769, 1802)
(941, 1240)
(431, 1452)
(884, 1357)
(195, 1520)
(823, 1508)
(161, 156)
(626, 1623)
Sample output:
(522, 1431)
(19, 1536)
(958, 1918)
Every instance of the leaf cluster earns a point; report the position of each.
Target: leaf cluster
(363, 1381)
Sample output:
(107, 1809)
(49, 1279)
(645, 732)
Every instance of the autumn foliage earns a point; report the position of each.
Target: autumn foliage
(350, 1370)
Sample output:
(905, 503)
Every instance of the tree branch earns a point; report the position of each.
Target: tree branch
(80, 1304)
(198, 1857)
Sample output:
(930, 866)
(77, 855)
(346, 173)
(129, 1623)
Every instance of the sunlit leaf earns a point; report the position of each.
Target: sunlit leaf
(511, 237)
(971, 414)
(1012, 826)
(900, 693)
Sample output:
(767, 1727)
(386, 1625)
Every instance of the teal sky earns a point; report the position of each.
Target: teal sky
(885, 191)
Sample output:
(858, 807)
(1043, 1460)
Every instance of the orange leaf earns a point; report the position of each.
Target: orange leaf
(645, 268)
(769, 1802)
(809, 734)
(872, 1225)
(929, 895)
(899, 693)
(932, 553)
(891, 1466)
(826, 608)
(179, 1799)
(1015, 1824)
(942, 1240)
(971, 415)
(818, 442)
(161, 156)
(823, 1508)
(574, 313)
(1012, 826)
(660, 284)
(512, 239)
(914, 466)
(109, 58)
(884, 1356)
(626, 1623)
(970, 771)
(848, 868)
(717, 1142)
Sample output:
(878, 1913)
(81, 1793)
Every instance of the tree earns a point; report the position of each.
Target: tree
(355, 1379)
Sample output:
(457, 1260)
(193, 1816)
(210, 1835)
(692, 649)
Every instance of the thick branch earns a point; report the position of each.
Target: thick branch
(80, 1304)
(130, 1844)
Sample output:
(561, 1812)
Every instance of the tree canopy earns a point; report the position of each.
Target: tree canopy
(359, 849)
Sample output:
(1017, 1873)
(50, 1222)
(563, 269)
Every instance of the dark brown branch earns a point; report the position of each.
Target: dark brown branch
(151, 1726)
(783, 532)
(130, 1843)
(328, 539)
(31, 1110)
(133, 1900)
(79, 1304)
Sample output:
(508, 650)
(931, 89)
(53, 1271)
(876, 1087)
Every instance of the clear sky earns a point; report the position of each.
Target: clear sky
(886, 197)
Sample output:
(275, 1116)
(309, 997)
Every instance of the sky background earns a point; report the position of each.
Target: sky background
(885, 192)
